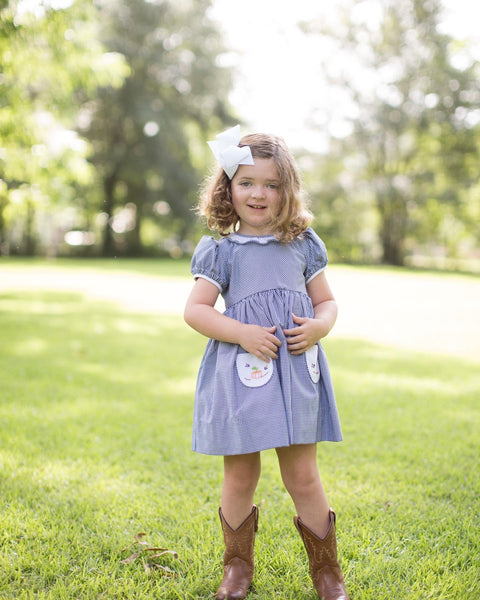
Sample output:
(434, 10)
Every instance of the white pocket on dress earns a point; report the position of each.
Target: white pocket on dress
(253, 371)
(311, 356)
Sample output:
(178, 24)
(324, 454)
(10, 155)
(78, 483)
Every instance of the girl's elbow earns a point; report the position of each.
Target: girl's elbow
(335, 308)
(187, 319)
(191, 316)
(333, 311)
(187, 315)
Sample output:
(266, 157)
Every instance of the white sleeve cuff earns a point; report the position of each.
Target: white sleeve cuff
(316, 273)
(215, 283)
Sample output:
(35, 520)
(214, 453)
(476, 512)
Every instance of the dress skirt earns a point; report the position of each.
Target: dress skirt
(244, 404)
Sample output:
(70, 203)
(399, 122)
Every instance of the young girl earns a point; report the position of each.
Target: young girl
(264, 380)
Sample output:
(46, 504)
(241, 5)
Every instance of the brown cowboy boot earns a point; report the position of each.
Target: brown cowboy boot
(324, 566)
(238, 557)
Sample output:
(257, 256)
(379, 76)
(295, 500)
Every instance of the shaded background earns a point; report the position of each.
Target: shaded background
(106, 106)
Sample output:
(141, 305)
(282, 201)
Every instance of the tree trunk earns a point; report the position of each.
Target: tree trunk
(135, 247)
(393, 227)
(3, 240)
(108, 246)
(29, 242)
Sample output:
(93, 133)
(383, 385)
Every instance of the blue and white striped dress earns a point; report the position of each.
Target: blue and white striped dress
(243, 404)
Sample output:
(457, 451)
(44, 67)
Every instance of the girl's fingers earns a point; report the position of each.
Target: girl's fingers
(273, 338)
(266, 355)
(292, 332)
(299, 320)
(294, 339)
(297, 345)
(272, 352)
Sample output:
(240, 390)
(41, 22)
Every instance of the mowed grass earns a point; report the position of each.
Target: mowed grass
(147, 266)
(95, 424)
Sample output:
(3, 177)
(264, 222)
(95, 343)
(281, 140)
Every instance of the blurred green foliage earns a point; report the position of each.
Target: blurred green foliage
(102, 109)
(405, 179)
(51, 63)
(105, 108)
(146, 136)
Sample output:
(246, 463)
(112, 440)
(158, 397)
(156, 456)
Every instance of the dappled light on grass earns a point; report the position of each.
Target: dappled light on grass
(96, 429)
(30, 346)
(38, 304)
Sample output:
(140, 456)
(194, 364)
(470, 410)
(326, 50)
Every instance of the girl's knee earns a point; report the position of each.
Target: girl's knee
(299, 470)
(242, 472)
(301, 481)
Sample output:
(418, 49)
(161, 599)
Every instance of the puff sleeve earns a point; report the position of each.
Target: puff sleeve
(315, 255)
(206, 263)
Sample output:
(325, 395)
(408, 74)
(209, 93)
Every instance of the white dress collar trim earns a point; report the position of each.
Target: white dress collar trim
(239, 238)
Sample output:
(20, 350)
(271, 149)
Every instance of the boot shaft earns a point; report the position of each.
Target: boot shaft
(238, 559)
(319, 550)
(325, 569)
(239, 542)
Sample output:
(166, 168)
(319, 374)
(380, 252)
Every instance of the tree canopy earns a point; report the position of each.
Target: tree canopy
(144, 133)
(101, 107)
(51, 62)
(411, 162)
(105, 107)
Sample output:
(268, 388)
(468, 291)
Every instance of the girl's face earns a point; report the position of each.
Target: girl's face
(256, 196)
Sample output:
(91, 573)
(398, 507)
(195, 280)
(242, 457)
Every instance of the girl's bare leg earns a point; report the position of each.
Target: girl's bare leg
(241, 474)
(299, 469)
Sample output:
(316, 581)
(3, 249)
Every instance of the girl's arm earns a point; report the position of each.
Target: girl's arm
(309, 331)
(201, 314)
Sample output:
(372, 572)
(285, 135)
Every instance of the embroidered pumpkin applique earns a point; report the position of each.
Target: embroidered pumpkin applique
(252, 371)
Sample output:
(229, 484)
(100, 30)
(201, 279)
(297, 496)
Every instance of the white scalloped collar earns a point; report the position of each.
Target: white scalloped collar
(239, 238)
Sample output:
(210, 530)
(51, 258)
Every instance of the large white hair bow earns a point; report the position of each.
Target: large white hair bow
(227, 152)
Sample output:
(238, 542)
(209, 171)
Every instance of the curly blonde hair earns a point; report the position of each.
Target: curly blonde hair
(293, 218)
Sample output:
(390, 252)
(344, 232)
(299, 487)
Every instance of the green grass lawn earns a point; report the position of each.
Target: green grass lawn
(145, 266)
(95, 423)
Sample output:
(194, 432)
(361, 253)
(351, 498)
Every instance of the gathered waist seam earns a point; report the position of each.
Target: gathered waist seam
(263, 292)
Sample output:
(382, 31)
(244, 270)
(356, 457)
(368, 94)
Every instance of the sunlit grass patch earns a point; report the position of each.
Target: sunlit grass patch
(95, 424)
(154, 266)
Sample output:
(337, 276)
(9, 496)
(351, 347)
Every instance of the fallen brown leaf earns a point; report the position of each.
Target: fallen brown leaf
(150, 556)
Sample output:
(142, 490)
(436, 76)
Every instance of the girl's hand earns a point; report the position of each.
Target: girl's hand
(259, 341)
(306, 335)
